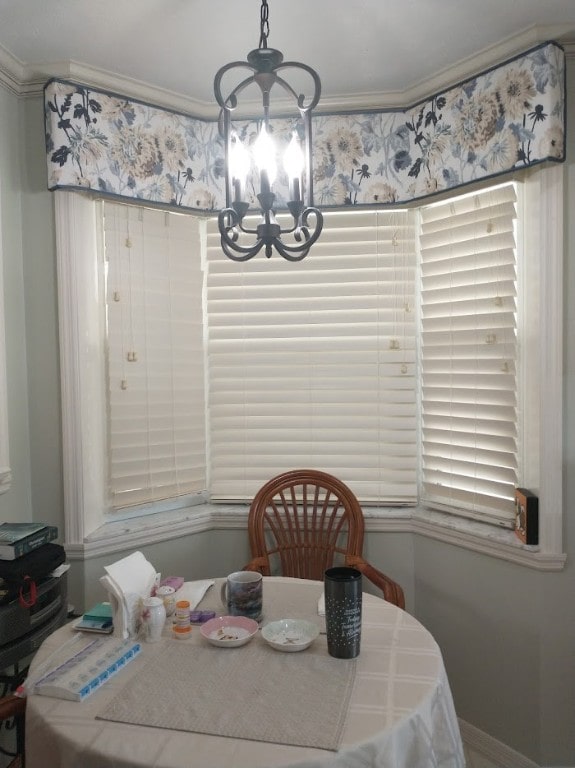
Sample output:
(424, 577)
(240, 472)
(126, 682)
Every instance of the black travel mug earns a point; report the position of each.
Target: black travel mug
(342, 589)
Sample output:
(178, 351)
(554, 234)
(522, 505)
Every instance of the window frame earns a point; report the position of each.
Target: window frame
(89, 532)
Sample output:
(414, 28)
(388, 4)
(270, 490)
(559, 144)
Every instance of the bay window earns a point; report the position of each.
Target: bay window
(394, 356)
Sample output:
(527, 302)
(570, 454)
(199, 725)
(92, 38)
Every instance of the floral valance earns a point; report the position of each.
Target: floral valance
(509, 117)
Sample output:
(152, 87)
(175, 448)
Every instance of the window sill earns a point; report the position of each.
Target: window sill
(134, 532)
(485, 539)
(478, 537)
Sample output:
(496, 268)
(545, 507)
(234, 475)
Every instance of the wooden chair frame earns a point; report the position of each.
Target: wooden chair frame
(13, 715)
(305, 520)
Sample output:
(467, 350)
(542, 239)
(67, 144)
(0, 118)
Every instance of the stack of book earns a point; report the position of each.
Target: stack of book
(17, 539)
(97, 619)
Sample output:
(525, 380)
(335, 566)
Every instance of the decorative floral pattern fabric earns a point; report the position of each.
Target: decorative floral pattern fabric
(507, 118)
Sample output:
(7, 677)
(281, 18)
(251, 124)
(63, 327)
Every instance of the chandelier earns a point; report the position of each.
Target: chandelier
(252, 149)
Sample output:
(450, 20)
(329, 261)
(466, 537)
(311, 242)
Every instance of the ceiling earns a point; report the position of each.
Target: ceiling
(368, 53)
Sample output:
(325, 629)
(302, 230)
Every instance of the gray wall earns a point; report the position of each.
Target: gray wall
(507, 632)
(17, 502)
(40, 294)
(30, 304)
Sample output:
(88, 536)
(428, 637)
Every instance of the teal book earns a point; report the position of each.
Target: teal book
(99, 612)
(97, 619)
(102, 626)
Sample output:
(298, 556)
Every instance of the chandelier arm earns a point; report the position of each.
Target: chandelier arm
(298, 252)
(237, 252)
(287, 87)
(309, 239)
(311, 211)
(230, 251)
(300, 98)
(229, 244)
(218, 79)
(284, 251)
(247, 230)
(235, 223)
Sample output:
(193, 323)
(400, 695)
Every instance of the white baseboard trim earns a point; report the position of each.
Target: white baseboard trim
(499, 754)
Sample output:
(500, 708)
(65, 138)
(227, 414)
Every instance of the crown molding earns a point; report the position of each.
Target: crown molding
(493, 56)
(29, 80)
(11, 72)
(456, 73)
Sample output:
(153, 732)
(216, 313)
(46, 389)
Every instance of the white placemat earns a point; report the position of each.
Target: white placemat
(252, 692)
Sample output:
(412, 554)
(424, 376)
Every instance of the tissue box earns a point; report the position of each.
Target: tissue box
(172, 581)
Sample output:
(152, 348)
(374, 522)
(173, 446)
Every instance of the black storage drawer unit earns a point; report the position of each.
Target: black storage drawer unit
(22, 630)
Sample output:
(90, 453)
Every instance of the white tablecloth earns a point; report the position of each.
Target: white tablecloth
(401, 713)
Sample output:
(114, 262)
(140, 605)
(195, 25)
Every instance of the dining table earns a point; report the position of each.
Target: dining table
(190, 704)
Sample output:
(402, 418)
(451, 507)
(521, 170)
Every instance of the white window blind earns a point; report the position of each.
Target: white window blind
(313, 364)
(156, 402)
(469, 353)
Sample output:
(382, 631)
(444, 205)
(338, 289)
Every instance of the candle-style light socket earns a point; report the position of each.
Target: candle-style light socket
(266, 200)
(295, 207)
(241, 208)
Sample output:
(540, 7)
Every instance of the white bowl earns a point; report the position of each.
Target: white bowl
(229, 631)
(290, 635)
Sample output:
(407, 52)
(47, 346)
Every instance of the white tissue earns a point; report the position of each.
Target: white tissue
(127, 582)
(321, 605)
(193, 591)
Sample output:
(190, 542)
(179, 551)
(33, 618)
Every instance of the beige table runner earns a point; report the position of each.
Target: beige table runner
(252, 692)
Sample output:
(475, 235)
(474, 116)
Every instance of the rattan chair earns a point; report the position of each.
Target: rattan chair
(304, 521)
(12, 716)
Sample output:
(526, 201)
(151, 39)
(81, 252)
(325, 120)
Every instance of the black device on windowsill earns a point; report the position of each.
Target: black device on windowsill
(526, 516)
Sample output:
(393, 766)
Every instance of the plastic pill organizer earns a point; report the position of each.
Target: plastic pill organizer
(86, 670)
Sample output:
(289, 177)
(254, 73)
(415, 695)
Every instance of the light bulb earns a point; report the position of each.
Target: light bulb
(264, 156)
(294, 164)
(239, 166)
(293, 158)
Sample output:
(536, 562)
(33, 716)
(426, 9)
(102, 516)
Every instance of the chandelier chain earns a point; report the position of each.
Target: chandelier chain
(264, 24)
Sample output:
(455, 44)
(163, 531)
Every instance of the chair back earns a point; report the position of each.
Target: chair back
(302, 522)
